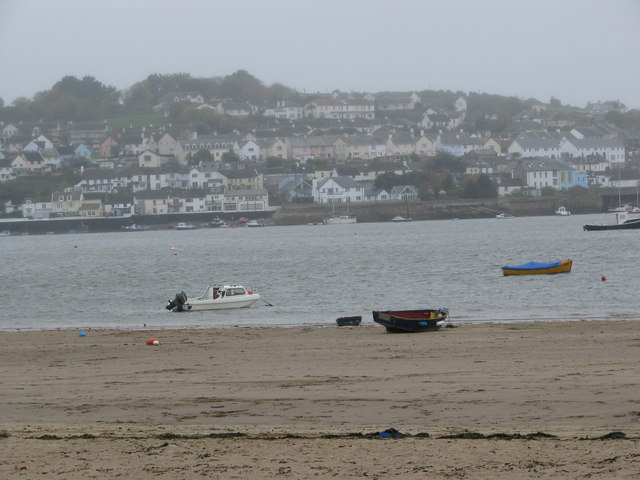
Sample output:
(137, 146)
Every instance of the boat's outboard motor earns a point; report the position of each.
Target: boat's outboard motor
(178, 302)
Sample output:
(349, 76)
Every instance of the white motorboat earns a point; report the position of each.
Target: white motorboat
(562, 211)
(255, 223)
(136, 228)
(185, 226)
(402, 219)
(341, 219)
(505, 215)
(218, 223)
(215, 297)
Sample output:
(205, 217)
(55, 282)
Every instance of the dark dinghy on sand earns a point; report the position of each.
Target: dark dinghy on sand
(405, 321)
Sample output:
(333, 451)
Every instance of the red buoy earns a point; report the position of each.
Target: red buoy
(603, 278)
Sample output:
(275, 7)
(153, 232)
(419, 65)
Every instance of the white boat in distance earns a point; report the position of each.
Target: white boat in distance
(505, 215)
(562, 211)
(185, 226)
(402, 219)
(341, 219)
(215, 297)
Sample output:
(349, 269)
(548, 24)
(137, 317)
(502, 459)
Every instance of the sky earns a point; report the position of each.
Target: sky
(577, 51)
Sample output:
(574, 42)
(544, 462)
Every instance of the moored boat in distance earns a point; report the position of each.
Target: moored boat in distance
(505, 215)
(255, 223)
(409, 321)
(538, 268)
(5, 233)
(218, 223)
(623, 221)
(134, 227)
(401, 219)
(185, 226)
(215, 297)
(340, 220)
(562, 211)
(621, 208)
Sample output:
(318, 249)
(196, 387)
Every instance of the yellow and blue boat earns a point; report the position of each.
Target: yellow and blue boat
(538, 268)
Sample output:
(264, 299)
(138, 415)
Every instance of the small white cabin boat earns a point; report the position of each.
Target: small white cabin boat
(215, 297)
(185, 226)
(562, 211)
(341, 219)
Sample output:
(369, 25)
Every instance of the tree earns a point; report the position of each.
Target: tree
(386, 181)
(204, 156)
(78, 100)
(448, 184)
(485, 187)
(204, 121)
(229, 157)
(470, 189)
(242, 86)
(446, 162)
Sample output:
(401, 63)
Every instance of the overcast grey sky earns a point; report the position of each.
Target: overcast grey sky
(574, 50)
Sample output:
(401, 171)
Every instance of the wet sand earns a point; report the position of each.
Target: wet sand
(552, 400)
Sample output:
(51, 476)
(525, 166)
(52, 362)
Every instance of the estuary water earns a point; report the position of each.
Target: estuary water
(310, 275)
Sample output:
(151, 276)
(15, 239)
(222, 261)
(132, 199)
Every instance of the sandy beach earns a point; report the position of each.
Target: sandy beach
(526, 400)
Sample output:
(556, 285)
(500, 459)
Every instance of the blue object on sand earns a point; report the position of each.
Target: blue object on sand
(82, 333)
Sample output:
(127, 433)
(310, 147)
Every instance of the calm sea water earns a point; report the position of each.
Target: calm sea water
(313, 274)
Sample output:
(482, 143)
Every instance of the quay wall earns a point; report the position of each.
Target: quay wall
(301, 214)
(435, 209)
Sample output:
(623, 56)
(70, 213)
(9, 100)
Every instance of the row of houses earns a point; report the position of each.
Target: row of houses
(335, 106)
(571, 145)
(206, 188)
(72, 203)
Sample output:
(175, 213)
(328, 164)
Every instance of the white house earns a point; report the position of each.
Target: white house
(248, 150)
(539, 173)
(246, 201)
(40, 143)
(610, 149)
(403, 192)
(206, 177)
(149, 159)
(9, 131)
(285, 110)
(535, 146)
(6, 170)
(338, 190)
(37, 208)
(152, 202)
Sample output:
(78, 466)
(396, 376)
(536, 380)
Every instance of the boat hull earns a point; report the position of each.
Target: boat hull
(410, 321)
(346, 321)
(629, 225)
(221, 303)
(341, 220)
(538, 268)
